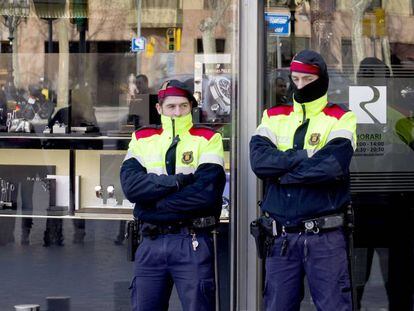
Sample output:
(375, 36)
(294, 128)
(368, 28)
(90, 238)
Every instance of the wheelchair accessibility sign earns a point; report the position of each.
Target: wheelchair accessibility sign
(138, 44)
(277, 24)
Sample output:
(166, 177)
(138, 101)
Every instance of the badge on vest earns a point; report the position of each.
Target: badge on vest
(187, 157)
(314, 139)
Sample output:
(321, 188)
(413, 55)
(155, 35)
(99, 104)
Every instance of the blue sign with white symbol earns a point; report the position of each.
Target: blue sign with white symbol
(278, 24)
(138, 44)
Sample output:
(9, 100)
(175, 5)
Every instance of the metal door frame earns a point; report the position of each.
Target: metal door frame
(246, 275)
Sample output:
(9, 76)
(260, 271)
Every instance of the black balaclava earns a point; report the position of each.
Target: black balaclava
(317, 88)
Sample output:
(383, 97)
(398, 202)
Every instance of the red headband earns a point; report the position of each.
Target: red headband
(298, 66)
(171, 91)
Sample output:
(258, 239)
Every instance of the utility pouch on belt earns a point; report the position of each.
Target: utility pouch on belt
(133, 238)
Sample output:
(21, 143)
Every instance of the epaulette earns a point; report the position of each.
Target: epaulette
(280, 110)
(148, 131)
(335, 110)
(203, 131)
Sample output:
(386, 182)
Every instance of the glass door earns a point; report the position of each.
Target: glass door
(370, 65)
(77, 79)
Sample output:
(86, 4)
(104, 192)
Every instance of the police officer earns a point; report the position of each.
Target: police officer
(175, 176)
(303, 151)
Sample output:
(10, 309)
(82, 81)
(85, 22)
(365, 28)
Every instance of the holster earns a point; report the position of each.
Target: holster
(258, 236)
(133, 238)
(262, 230)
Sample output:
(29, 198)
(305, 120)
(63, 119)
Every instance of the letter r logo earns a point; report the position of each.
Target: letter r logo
(369, 103)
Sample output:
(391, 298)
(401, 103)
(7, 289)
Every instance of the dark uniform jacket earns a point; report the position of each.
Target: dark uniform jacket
(174, 173)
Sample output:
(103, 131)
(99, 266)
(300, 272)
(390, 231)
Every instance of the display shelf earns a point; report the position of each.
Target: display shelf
(89, 216)
(63, 141)
(105, 209)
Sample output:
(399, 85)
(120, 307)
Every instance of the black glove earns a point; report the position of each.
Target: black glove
(184, 180)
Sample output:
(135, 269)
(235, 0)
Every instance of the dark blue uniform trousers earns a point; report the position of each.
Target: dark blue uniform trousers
(170, 259)
(322, 258)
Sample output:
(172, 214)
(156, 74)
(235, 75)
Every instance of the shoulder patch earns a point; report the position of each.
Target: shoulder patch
(148, 131)
(334, 110)
(279, 110)
(202, 131)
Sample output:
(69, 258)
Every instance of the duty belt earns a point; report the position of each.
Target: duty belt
(324, 223)
(313, 225)
(197, 224)
(265, 230)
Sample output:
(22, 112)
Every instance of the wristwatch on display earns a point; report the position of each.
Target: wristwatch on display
(220, 88)
(98, 192)
(111, 191)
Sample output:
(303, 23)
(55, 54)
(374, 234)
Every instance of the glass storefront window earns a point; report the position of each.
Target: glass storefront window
(77, 79)
(368, 50)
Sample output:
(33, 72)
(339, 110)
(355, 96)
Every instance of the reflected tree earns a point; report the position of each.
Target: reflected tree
(323, 35)
(63, 72)
(55, 12)
(376, 31)
(208, 25)
(358, 8)
(13, 13)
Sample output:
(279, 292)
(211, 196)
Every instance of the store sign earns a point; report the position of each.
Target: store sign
(278, 24)
(369, 103)
(138, 44)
